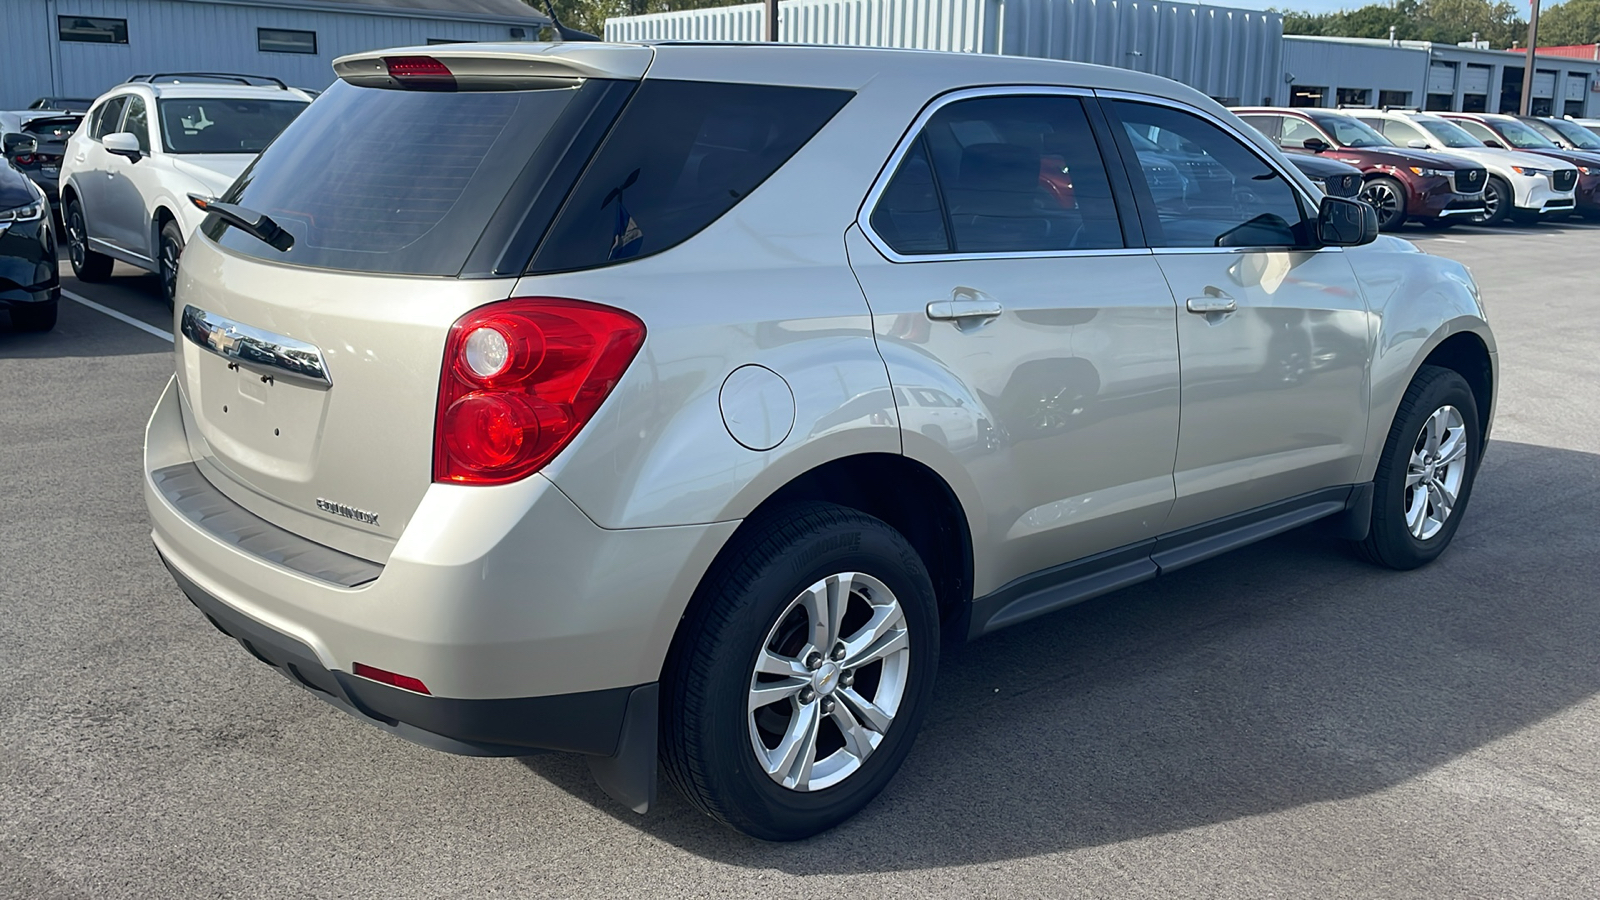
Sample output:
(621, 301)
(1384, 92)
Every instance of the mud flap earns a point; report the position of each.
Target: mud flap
(629, 776)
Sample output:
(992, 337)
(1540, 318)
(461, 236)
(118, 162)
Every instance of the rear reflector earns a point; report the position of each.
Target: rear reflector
(403, 682)
(420, 73)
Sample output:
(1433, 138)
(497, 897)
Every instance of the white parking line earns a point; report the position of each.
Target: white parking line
(142, 326)
(1451, 240)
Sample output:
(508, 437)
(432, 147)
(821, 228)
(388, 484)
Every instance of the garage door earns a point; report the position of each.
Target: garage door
(1544, 83)
(1576, 86)
(1475, 80)
(1441, 78)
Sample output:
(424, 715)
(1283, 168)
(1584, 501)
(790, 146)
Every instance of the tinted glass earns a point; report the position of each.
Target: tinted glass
(1208, 188)
(908, 216)
(682, 154)
(376, 180)
(51, 129)
(1480, 132)
(281, 40)
(1021, 174)
(109, 117)
(213, 125)
(1576, 135)
(1269, 126)
(1351, 132)
(137, 121)
(1524, 138)
(1448, 134)
(1297, 131)
(90, 30)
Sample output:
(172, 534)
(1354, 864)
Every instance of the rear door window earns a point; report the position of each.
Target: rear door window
(682, 154)
(108, 118)
(1015, 174)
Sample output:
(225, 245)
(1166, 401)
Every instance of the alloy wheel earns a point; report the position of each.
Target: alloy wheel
(1382, 198)
(829, 681)
(77, 237)
(1434, 472)
(169, 269)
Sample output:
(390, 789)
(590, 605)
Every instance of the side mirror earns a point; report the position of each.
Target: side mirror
(1342, 222)
(1417, 144)
(1316, 145)
(19, 145)
(1491, 142)
(123, 143)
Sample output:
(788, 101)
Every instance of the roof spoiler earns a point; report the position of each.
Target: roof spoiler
(487, 67)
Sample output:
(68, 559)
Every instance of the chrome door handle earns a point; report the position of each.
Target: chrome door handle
(1214, 301)
(965, 308)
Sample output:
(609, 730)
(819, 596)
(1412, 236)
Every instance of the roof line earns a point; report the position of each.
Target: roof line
(534, 16)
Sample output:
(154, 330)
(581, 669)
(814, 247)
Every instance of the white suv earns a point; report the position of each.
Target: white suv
(1522, 186)
(148, 144)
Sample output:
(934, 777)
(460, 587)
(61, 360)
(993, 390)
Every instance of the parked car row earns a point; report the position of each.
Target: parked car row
(1438, 169)
(119, 172)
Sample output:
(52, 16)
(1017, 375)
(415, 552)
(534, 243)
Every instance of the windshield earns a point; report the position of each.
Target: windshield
(1522, 137)
(1449, 133)
(1351, 132)
(1576, 135)
(215, 125)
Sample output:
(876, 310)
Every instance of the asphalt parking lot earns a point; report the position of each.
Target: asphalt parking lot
(1281, 722)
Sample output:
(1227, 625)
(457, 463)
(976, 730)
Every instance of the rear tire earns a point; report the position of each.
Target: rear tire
(752, 633)
(35, 316)
(1425, 475)
(87, 265)
(1388, 197)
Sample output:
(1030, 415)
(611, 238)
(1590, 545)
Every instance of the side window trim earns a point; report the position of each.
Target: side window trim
(1147, 206)
(915, 133)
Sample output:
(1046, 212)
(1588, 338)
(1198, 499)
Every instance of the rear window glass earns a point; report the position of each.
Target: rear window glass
(401, 182)
(682, 154)
(211, 125)
(51, 129)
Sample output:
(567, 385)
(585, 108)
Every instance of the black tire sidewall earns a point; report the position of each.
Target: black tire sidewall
(747, 797)
(1390, 537)
(1505, 197)
(169, 234)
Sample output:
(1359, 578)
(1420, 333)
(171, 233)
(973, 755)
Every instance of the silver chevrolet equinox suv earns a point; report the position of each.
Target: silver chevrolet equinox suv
(680, 402)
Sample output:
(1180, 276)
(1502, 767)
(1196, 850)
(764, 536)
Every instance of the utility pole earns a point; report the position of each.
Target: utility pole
(1527, 70)
(772, 21)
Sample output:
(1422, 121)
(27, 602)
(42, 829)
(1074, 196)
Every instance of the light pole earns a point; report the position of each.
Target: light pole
(1527, 69)
(772, 21)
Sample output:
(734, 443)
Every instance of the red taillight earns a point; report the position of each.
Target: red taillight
(421, 73)
(23, 159)
(404, 682)
(520, 379)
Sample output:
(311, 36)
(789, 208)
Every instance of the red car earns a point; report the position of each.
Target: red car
(1401, 183)
(1513, 133)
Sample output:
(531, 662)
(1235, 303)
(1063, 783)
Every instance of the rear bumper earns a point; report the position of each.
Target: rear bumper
(589, 722)
(492, 596)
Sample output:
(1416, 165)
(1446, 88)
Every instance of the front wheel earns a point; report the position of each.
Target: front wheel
(1388, 197)
(801, 672)
(1497, 202)
(171, 250)
(1426, 472)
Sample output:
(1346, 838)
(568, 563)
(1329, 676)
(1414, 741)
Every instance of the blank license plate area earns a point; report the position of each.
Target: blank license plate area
(258, 423)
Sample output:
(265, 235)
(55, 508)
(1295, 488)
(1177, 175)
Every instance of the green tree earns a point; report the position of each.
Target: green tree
(1441, 21)
(1573, 22)
(591, 15)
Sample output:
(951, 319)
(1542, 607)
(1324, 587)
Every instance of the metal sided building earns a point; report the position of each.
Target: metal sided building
(1375, 72)
(80, 48)
(1234, 55)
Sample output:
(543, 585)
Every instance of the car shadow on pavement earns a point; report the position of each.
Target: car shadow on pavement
(1285, 674)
